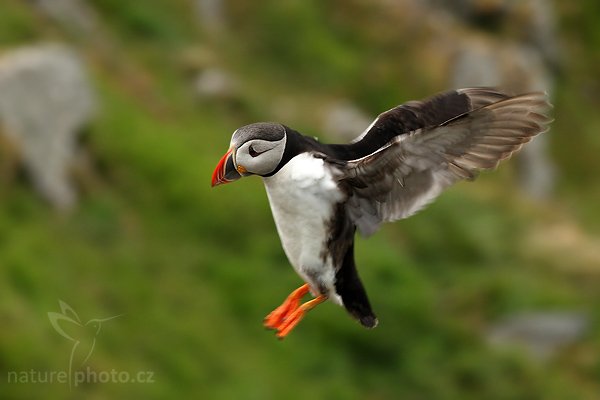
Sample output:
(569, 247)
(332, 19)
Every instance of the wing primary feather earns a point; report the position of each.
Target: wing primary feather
(407, 172)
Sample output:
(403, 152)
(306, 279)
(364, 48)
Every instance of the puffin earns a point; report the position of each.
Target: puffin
(321, 194)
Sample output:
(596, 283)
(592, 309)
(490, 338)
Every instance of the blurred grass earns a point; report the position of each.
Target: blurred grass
(195, 270)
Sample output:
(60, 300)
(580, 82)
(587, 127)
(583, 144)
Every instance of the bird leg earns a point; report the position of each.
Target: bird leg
(285, 317)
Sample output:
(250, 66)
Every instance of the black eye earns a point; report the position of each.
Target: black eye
(253, 153)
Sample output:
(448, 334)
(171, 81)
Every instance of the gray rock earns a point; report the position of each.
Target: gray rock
(211, 14)
(45, 100)
(345, 121)
(216, 83)
(516, 68)
(511, 45)
(73, 14)
(540, 334)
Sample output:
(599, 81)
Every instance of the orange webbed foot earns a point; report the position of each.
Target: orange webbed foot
(296, 316)
(291, 304)
(285, 317)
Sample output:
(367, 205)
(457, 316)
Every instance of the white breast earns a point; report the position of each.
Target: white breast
(302, 196)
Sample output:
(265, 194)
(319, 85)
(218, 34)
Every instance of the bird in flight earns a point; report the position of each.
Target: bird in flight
(320, 194)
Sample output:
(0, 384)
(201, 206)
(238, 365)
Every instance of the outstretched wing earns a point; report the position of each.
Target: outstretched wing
(430, 112)
(407, 173)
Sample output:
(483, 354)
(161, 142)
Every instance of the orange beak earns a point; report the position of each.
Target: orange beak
(225, 171)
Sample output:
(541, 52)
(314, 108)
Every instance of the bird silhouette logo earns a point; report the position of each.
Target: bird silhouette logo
(83, 335)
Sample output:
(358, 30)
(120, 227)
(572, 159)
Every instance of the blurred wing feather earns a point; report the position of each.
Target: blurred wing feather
(410, 171)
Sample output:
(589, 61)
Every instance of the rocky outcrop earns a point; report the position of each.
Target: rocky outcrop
(345, 121)
(45, 101)
(540, 334)
(511, 45)
(76, 15)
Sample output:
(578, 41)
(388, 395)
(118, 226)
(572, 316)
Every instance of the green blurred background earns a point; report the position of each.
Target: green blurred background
(192, 271)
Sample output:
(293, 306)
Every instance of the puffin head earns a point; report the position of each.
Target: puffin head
(255, 149)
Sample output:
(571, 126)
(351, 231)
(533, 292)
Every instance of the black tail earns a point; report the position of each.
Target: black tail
(352, 291)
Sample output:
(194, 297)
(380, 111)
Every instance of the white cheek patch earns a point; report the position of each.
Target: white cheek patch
(261, 146)
(268, 158)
